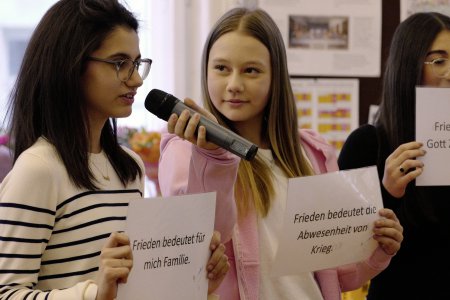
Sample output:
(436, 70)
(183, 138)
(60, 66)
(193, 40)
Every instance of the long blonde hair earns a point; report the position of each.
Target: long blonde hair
(280, 126)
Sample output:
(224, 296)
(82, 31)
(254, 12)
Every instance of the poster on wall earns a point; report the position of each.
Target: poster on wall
(329, 37)
(329, 106)
(409, 7)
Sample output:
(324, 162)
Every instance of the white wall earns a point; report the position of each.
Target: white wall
(179, 29)
(16, 24)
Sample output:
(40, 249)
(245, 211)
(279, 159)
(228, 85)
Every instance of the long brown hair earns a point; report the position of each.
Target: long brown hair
(47, 98)
(280, 125)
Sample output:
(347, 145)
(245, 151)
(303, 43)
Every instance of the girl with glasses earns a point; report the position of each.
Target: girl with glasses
(418, 56)
(63, 205)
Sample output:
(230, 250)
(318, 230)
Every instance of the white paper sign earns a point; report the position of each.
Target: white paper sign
(328, 221)
(170, 239)
(433, 130)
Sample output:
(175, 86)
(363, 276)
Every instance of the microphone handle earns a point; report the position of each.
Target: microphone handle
(221, 136)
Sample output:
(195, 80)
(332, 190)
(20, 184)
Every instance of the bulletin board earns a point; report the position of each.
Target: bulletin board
(370, 87)
(334, 111)
(329, 37)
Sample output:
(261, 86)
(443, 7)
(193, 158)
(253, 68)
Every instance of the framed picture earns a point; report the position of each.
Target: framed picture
(329, 37)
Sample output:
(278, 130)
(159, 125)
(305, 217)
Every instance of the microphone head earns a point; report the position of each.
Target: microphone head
(160, 103)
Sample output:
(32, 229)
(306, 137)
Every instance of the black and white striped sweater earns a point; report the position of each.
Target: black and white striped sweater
(51, 232)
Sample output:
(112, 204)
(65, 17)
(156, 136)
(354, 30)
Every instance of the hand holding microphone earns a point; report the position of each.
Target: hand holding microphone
(186, 125)
(163, 105)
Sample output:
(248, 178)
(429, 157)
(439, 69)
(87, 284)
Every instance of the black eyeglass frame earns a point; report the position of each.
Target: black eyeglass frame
(118, 64)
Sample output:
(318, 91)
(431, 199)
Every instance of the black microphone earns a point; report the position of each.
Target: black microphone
(163, 105)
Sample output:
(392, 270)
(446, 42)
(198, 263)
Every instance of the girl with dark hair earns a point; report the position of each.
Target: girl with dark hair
(246, 87)
(419, 56)
(63, 205)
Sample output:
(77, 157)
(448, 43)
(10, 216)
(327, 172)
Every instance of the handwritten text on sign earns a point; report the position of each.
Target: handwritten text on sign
(433, 130)
(170, 240)
(328, 227)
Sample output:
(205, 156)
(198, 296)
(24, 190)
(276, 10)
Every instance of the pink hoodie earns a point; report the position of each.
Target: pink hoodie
(242, 281)
(187, 169)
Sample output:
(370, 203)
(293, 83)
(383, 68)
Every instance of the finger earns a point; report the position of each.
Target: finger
(118, 252)
(410, 155)
(126, 268)
(410, 164)
(401, 176)
(390, 221)
(117, 273)
(181, 124)
(389, 246)
(215, 240)
(216, 257)
(191, 128)
(117, 238)
(192, 104)
(117, 246)
(404, 162)
(125, 263)
(392, 233)
(202, 142)
(407, 160)
(118, 263)
(201, 137)
(411, 175)
(389, 225)
(171, 123)
(219, 268)
(122, 238)
(388, 213)
(405, 147)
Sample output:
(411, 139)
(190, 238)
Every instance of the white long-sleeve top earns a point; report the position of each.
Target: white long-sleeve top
(51, 232)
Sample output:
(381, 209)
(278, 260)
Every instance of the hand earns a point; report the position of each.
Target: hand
(388, 231)
(401, 168)
(116, 261)
(185, 125)
(218, 264)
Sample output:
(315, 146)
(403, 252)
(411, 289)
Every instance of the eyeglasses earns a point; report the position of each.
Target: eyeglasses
(125, 67)
(440, 67)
